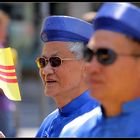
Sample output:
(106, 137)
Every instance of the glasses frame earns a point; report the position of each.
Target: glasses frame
(47, 60)
(89, 54)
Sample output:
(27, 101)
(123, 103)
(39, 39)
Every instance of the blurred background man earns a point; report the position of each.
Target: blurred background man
(89, 16)
(7, 107)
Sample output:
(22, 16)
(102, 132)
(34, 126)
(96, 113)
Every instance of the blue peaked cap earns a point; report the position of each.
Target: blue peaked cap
(66, 28)
(119, 17)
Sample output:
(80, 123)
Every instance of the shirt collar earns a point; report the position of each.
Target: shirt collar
(75, 104)
(128, 107)
(132, 106)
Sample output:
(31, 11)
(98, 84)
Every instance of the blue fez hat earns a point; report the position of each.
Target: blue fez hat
(66, 28)
(119, 17)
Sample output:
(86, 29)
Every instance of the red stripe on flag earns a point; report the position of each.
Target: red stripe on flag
(8, 73)
(7, 67)
(8, 80)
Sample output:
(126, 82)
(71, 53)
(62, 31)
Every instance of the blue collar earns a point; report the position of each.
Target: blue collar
(132, 106)
(75, 104)
(127, 108)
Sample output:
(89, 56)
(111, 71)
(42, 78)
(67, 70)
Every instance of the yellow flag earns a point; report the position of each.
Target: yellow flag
(8, 78)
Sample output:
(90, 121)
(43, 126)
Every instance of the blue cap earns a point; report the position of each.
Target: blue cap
(66, 28)
(119, 17)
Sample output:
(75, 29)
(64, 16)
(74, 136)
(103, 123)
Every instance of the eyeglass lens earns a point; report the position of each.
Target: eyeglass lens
(104, 56)
(54, 61)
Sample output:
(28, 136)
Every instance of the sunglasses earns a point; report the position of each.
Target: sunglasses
(104, 56)
(54, 61)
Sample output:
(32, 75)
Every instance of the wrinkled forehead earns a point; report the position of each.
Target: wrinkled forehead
(56, 47)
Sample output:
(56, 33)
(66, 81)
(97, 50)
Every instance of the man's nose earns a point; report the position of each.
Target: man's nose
(48, 69)
(93, 66)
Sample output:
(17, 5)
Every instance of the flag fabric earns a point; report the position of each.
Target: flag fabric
(8, 78)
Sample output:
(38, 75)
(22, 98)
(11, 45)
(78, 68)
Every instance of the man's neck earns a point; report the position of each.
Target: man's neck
(67, 97)
(111, 109)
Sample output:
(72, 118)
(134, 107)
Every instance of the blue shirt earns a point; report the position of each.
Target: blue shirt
(127, 124)
(54, 123)
(82, 124)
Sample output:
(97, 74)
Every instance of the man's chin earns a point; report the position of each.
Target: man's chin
(50, 92)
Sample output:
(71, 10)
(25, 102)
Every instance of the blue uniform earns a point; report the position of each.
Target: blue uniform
(54, 123)
(126, 124)
(123, 18)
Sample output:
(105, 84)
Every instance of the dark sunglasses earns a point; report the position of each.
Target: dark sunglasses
(55, 61)
(104, 56)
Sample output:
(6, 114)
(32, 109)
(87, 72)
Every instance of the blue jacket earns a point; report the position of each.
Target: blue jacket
(126, 125)
(54, 122)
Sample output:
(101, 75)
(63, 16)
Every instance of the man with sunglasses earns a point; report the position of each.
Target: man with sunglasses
(113, 64)
(62, 71)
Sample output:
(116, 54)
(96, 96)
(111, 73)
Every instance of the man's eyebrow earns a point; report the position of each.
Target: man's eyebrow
(54, 54)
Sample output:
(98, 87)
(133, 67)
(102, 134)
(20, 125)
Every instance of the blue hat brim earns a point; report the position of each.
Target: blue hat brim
(119, 17)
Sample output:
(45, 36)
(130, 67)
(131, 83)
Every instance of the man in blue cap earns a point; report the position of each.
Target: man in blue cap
(62, 71)
(114, 76)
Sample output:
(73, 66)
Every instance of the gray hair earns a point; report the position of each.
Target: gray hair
(77, 48)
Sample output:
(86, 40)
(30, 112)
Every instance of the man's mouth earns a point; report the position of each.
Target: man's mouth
(51, 81)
